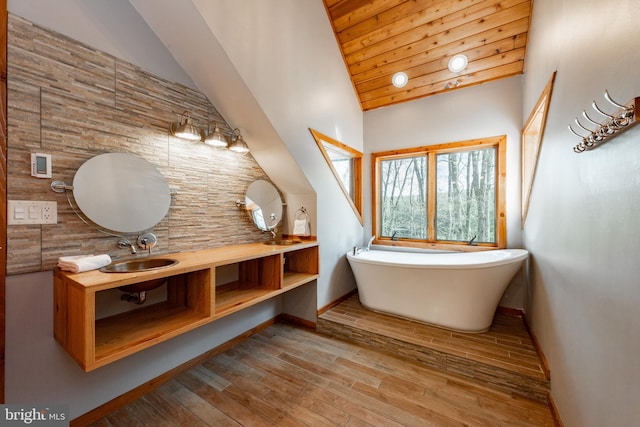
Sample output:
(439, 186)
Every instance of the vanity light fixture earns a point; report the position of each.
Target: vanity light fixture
(237, 143)
(400, 79)
(216, 138)
(458, 62)
(185, 129)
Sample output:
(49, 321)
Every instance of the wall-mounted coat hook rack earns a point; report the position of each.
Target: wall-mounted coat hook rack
(625, 117)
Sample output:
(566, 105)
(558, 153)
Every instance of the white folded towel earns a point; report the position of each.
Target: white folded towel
(300, 227)
(80, 263)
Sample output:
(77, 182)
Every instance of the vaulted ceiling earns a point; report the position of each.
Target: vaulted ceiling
(381, 37)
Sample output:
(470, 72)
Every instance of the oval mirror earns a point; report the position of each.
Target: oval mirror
(121, 192)
(263, 205)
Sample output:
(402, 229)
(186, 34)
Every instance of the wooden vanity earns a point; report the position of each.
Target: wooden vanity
(193, 298)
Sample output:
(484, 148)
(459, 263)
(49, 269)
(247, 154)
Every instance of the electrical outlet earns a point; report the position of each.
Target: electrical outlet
(47, 213)
(32, 212)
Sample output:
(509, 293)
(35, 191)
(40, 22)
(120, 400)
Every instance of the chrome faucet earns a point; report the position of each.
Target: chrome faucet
(357, 250)
(370, 242)
(124, 243)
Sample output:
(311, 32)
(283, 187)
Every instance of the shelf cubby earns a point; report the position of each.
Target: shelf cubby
(257, 280)
(299, 265)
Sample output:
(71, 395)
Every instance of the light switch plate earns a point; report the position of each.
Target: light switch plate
(31, 212)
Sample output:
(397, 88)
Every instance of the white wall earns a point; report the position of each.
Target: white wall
(583, 227)
(282, 74)
(291, 62)
(479, 111)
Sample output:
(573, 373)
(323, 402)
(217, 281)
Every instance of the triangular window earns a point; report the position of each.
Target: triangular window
(346, 165)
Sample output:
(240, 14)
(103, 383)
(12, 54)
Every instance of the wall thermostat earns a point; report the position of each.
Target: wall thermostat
(41, 165)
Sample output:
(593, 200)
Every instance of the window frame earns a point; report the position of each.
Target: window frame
(532, 134)
(355, 200)
(431, 151)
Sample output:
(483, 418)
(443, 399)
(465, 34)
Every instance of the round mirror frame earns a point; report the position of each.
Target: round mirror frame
(263, 204)
(121, 192)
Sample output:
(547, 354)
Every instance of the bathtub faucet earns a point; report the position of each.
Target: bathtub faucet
(357, 250)
(370, 242)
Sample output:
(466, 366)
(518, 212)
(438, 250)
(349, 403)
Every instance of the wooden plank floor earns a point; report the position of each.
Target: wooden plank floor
(289, 376)
(504, 356)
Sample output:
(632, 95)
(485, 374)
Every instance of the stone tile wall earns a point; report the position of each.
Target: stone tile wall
(75, 102)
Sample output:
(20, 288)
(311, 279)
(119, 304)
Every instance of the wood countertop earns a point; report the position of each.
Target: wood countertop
(187, 262)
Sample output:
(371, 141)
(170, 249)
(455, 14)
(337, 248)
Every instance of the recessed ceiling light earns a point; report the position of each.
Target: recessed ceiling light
(458, 63)
(400, 79)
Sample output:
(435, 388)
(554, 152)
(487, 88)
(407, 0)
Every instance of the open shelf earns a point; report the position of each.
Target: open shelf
(300, 266)
(192, 300)
(291, 280)
(236, 295)
(115, 335)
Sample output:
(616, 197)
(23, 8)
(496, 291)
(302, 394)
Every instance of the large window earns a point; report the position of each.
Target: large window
(448, 194)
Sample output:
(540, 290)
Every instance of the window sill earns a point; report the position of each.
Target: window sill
(436, 246)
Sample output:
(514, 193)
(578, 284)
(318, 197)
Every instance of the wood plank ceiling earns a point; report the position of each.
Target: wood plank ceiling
(381, 37)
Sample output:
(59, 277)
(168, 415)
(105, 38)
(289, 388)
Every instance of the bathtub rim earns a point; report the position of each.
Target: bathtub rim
(517, 255)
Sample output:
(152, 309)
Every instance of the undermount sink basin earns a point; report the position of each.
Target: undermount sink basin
(282, 242)
(137, 265)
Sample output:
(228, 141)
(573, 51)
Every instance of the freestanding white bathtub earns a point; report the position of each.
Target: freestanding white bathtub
(454, 290)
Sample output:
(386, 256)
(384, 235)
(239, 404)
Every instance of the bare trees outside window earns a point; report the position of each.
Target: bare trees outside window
(450, 194)
(466, 196)
(403, 198)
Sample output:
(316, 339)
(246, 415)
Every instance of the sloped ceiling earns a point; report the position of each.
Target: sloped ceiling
(381, 37)
(216, 77)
